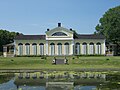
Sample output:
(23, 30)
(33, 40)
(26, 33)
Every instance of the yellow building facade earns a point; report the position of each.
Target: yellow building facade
(59, 41)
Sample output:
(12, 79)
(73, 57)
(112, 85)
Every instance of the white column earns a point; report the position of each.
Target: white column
(103, 48)
(88, 47)
(46, 47)
(14, 47)
(96, 49)
(31, 51)
(38, 49)
(24, 49)
(71, 50)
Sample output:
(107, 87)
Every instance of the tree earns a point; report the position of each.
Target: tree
(109, 26)
(6, 37)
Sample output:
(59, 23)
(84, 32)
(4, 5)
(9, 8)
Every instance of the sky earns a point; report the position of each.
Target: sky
(35, 16)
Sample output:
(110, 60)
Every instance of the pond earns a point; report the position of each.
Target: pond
(60, 80)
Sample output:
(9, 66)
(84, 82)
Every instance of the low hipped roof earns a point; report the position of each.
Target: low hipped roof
(89, 36)
(43, 37)
(30, 37)
(10, 44)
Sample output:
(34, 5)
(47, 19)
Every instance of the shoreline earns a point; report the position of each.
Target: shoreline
(77, 70)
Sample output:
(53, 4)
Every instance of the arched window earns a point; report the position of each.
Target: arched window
(84, 48)
(20, 49)
(77, 48)
(91, 48)
(34, 48)
(66, 48)
(59, 34)
(59, 48)
(52, 47)
(98, 48)
(27, 47)
(41, 49)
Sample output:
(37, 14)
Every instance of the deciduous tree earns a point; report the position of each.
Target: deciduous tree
(109, 26)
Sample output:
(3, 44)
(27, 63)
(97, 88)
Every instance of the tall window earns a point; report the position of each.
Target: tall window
(41, 49)
(34, 48)
(52, 47)
(66, 48)
(84, 48)
(59, 49)
(27, 46)
(20, 49)
(77, 48)
(91, 48)
(98, 48)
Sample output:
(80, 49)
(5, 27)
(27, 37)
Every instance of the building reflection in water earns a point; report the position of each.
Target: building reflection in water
(63, 80)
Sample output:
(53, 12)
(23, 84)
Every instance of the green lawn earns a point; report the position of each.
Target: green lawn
(100, 62)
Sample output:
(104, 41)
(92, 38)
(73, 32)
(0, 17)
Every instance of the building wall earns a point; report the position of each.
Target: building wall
(47, 48)
(63, 46)
(95, 41)
(30, 42)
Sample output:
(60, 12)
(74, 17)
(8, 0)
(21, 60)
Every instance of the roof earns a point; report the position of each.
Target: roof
(89, 36)
(43, 37)
(10, 44)
(30, 37)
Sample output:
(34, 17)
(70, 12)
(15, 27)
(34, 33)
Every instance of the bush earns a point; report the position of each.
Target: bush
(43, 57)
(107, 59)
(73, 58)
(88, 55)
(28, 55)
(1, 53)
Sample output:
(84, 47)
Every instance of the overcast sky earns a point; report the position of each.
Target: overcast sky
(35, 16)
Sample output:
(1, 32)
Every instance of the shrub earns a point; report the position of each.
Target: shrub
(107, 59)
(73, 58)
(1, 53)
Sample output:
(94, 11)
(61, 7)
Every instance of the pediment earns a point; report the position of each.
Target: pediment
(59, 32)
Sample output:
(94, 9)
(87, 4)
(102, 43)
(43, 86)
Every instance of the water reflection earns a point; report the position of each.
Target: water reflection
(60, 80)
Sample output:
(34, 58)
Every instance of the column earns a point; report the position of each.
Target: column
(56, 49)
(88, 49)
(95, 48)
(72, 48)
(38, 49)
(14, 48)
(5, 51)
(63, 51)
(81, 49)
(103, 48)
(46, 47)
(31, 49)
(24, 50)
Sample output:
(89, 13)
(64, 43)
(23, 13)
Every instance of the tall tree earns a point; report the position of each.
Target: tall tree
(109, 26)
(6, 37)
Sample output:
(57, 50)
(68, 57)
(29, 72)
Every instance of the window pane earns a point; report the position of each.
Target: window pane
(98, 49)
(66, 49)
(27, 49)
(59, 49)
(77, 49)
(20, 49)
(84, 47)
(52, 49)
(34, 49)
(59, 34)
(91, 49)
(41, 49)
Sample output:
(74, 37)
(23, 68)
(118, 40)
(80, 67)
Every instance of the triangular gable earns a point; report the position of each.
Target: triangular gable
(59, 29)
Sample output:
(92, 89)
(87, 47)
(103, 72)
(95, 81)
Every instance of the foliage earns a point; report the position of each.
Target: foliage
(6, 37)
(109, 26)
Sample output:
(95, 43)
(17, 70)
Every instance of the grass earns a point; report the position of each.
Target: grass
(76, 63)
